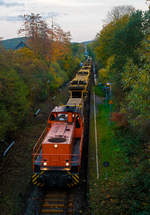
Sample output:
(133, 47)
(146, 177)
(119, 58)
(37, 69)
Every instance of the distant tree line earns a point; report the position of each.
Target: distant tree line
(31, 74)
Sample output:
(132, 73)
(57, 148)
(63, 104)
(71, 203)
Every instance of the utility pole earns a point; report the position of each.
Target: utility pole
(52, 28)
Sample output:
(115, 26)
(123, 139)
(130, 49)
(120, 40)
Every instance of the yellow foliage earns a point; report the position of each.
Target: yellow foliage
(25, 52)
(110, 62)
(58, 50)
(103, 75)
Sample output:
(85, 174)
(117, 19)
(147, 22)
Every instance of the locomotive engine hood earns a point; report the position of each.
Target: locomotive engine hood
(60, 133)
(56, 146)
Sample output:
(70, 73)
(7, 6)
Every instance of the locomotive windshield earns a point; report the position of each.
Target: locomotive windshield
(62, 117)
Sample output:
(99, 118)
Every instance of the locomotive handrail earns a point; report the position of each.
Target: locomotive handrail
(37, 147)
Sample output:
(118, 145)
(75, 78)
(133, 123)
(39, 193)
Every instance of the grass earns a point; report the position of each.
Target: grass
(99, 90)
(108, 150)
(108, 147)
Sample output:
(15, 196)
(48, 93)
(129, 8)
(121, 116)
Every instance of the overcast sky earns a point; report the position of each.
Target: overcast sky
(83, 18)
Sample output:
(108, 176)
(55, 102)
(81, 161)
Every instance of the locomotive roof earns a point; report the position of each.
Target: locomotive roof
(66, 108)
(75, 102)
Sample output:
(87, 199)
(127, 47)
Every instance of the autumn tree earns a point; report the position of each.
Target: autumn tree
(49, 43)
(60, 42)
(37, 32)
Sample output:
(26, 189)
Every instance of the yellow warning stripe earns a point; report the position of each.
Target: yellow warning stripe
(75, 179)
(41, 172)
(69, 173)
(75, 183)
(35, 182)
(77, 176)
(35, 176)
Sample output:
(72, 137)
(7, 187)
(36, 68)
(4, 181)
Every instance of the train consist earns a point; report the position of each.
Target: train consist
(58, 152)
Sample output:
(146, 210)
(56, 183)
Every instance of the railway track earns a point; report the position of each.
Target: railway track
(57, 202)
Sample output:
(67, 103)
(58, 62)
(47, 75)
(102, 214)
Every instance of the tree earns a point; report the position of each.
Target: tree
(34, 72)
(14, 104)
(37, 32)
(60, 43)
(47, 43)
(118, 12)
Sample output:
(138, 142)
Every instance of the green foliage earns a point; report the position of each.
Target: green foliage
(106, 42)
(59, 76)
(126, 43)
(78, 50)
(128, 37)
(130, 145)
(134, 193)
(135, 82)
(14, 104)
(91, 51)
(100, 90)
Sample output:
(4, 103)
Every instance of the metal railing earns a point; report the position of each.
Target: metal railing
(38, 146)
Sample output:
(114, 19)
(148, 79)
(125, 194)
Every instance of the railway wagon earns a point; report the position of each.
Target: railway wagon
(78, 87)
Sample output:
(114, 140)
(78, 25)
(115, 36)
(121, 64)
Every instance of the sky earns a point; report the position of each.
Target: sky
(83, 18)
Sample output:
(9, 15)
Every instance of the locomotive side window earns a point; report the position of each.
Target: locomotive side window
(53, 117)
